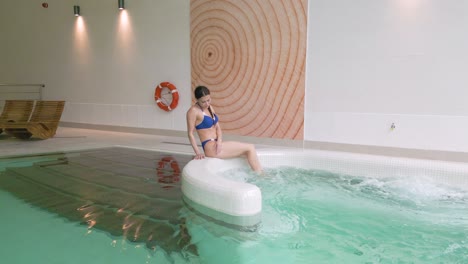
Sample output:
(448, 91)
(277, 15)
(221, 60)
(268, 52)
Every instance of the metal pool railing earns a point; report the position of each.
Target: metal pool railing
(20, 91)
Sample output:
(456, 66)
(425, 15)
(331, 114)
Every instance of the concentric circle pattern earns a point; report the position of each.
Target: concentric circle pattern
(251, 54)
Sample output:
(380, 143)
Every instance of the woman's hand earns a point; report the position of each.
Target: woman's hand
(219, 147)
(199, 156)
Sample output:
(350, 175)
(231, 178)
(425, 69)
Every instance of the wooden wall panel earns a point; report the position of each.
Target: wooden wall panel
(251, 54)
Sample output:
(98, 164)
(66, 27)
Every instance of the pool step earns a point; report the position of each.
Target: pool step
(114, 197)
(128, 183)
(154, 222)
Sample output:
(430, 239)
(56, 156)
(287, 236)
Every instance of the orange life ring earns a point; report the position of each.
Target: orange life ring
(159, 100)
(168, 171)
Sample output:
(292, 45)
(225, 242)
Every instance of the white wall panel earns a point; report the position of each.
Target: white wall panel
(374, 62)
(104, 60)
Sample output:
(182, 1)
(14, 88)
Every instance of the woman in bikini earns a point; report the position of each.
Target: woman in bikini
(202, 118)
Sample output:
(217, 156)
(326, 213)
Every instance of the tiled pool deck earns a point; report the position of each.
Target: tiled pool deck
(73, 139)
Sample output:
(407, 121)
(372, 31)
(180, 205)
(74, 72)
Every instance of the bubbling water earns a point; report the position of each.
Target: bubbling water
(337, 218)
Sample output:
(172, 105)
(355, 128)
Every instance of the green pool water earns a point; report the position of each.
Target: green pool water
(319, 217)
(308, 216)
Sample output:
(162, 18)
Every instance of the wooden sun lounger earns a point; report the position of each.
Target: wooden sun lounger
(16, 111)
(43, 123)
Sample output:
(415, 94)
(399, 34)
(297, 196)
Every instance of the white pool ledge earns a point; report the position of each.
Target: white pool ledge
(232, 202)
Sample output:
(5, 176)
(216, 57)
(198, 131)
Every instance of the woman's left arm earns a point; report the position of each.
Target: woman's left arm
(219, 136)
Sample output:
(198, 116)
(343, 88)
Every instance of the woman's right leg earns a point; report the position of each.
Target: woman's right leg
(233, 149)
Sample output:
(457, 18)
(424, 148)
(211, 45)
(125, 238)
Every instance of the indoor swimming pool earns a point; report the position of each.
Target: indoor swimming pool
(120, 205)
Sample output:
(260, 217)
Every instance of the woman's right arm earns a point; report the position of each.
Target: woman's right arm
(191, 120)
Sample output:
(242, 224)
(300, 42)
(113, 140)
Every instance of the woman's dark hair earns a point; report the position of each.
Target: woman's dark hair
(201, 91)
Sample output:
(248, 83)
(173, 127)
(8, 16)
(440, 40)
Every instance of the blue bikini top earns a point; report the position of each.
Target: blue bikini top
(207, 122)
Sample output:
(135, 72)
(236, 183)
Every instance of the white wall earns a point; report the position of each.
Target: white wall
(105, 64)
(370, 64)
(374, 63)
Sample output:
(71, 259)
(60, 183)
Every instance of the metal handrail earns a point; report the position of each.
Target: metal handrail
(40, 85)
(22, 84)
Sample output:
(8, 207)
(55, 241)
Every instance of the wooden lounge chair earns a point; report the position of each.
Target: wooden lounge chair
(43, 123)
(16, 111)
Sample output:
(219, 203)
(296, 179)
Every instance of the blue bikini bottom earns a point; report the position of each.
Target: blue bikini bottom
(206, 141)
